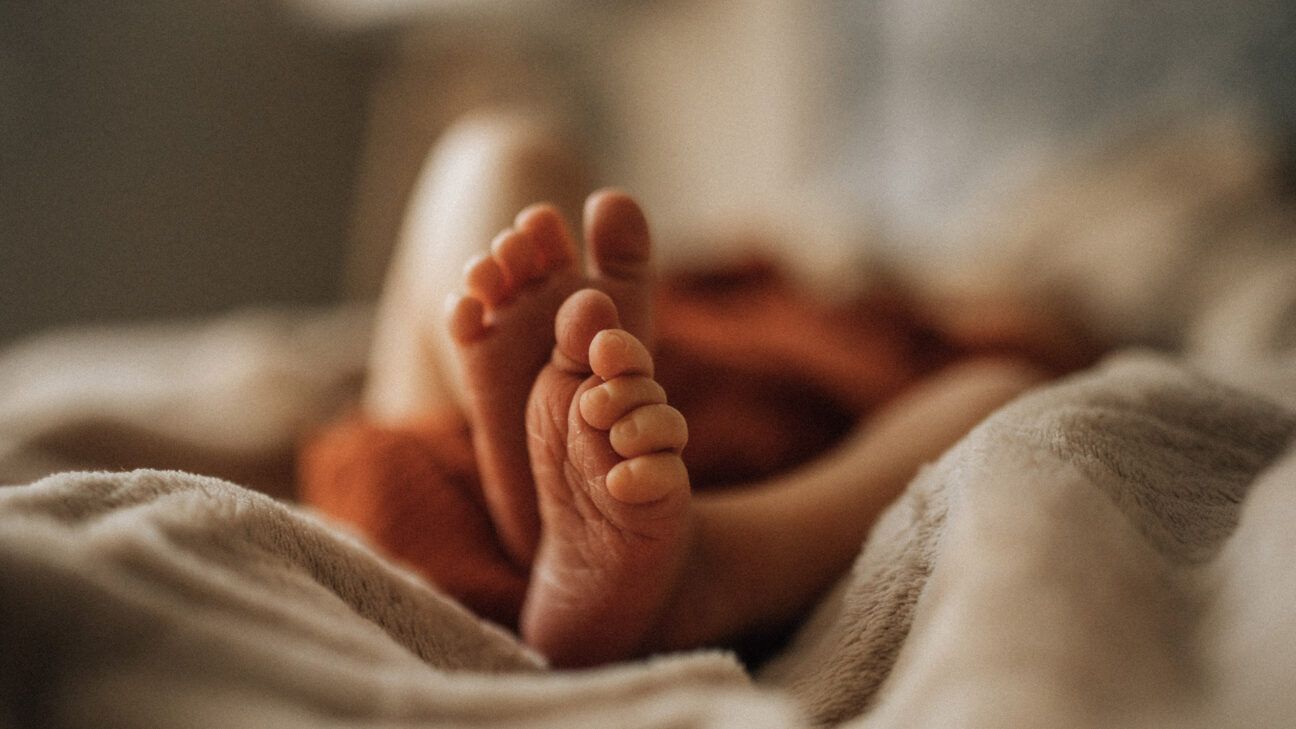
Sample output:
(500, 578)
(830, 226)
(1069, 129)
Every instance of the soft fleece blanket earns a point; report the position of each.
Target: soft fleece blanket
(1111, 550)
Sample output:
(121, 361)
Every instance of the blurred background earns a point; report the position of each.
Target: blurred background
(181, 157)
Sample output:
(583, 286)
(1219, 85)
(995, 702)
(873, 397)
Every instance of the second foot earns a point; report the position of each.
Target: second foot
(613, 493)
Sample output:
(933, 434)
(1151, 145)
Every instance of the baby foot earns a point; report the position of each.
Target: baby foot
(485, 168)
(613, 493)
(503, 334)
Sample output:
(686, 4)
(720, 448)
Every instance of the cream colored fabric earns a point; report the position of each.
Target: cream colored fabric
(227, 396)
(158, 598)
(1075, 561)
(1112, 550)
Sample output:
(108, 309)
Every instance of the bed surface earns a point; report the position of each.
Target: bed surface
(1112, 549)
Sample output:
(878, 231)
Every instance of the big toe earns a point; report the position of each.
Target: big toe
(617, 233)
(580, 318)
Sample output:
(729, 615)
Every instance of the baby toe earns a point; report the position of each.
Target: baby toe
(647, 478)
(607, 403)
(581, 318)
(484, 280)
(617, 233)
(649, 429)
(553, 240)
(464, 318)
(616, 352)
(517, 257)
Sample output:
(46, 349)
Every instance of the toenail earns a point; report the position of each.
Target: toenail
(616, 352)
(594, 400)
(647, 478)
(615, 344)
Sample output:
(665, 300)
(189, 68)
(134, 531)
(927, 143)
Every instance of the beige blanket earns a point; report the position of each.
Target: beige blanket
(1112, 550)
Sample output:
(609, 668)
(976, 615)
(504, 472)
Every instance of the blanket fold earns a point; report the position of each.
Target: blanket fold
(1109, 550)
(164, 599)
(1052, 564)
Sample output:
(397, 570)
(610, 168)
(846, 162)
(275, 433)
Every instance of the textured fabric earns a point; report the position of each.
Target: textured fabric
(1060, 565)
(1111, 550)
(153, 599)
